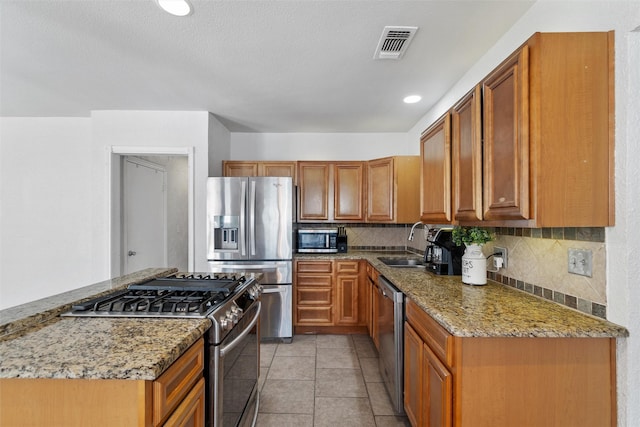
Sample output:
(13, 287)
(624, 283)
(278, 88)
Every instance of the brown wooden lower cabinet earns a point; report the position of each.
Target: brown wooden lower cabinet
(498, 381)
(330, 296)
(123, 403)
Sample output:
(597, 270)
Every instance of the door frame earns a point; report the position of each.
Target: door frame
(116, 153)
(125, 221)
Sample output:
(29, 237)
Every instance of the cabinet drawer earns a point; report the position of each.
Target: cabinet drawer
(314, 315)
(347, 267)
(314, 266)
(190, 413)
(438, 339)
(314, 280)
(312, 296)
(176, 382)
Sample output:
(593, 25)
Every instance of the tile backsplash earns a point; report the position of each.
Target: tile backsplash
(537, 259)
(538, 262)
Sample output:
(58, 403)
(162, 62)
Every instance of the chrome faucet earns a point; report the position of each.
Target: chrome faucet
(410, 238)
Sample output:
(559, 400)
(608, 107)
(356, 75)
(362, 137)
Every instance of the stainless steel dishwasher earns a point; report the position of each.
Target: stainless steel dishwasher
(389, 319)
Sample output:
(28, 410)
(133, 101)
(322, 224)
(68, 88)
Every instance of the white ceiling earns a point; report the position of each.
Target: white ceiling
(259, 66)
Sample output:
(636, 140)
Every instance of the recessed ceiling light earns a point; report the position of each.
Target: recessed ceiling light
(412, 99)
(175, 7)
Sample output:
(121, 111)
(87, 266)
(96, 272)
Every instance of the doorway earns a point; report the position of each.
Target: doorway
(177, 218)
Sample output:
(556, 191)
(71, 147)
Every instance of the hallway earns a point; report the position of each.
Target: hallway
(323, 380)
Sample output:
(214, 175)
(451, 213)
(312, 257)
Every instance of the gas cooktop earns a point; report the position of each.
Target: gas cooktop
(180, 295)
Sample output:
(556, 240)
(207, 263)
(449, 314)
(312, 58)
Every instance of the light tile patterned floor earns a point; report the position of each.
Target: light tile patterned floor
(323, 380)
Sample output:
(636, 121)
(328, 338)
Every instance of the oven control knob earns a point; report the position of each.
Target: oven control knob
(236, 310)
(224, 324)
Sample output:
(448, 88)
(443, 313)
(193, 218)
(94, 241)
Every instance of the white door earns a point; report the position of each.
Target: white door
(144, 207)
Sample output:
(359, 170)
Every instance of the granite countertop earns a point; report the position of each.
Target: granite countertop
(100, 348)
(36, 343)
(493, 310)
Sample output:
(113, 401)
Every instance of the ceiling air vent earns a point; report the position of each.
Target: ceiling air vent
(394, 42)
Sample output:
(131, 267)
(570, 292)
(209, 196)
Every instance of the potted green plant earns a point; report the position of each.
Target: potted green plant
(474, 262)
(470, 236)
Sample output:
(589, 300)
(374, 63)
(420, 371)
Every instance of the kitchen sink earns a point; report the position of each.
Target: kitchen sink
(402, 262)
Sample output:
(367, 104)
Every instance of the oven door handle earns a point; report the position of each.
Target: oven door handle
(236, 341)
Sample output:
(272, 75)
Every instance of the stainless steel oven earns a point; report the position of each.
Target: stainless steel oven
(233, 374)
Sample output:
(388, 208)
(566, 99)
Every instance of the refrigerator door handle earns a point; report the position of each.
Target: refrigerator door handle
(243, 207)
(278, 290)
(252, 217)
(245, 267)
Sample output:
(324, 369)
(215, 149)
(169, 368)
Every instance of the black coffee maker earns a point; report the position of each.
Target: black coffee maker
(442, 256)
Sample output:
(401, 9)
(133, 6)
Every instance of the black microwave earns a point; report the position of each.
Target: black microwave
(317, 240)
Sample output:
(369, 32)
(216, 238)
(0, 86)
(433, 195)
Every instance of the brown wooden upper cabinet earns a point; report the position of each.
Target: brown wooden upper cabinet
(506, 149)
(548, 133)
(466, 157)
(331, 191)
(255, 168)
(435, 188)
(393, 185)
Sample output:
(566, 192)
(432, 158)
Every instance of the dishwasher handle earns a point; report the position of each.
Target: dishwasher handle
(388, 290)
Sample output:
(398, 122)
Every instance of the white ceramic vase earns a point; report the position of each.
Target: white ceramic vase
(474, 266)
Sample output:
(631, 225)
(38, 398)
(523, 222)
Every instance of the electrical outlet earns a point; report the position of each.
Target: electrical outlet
(500, 253)
(580, 262)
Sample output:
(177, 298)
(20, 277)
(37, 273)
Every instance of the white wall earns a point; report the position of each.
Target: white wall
(219, 146)
(46, 198)
(623, 240)
(320, 146)
(56, 232)
(165, 129)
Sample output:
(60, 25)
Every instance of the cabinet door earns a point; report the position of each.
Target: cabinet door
(435, 189)
(278, 169)
(380, 190)
(372, 275)
(347, 298)
(438, 391)
(348, 191)
(506, 140)
(413, 376)
(313, 179)
(375, 304)
(238, 168)
(466, 159)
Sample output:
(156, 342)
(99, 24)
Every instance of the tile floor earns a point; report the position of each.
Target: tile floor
(323, 380)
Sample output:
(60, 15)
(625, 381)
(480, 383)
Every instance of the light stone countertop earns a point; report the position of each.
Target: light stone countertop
(36, 343)
(25, 316)
(492, 310)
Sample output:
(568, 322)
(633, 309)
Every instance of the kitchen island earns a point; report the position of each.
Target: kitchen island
(99, 371)
(44, 345)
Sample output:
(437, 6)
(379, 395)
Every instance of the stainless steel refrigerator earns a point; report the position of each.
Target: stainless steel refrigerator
(249, 229)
